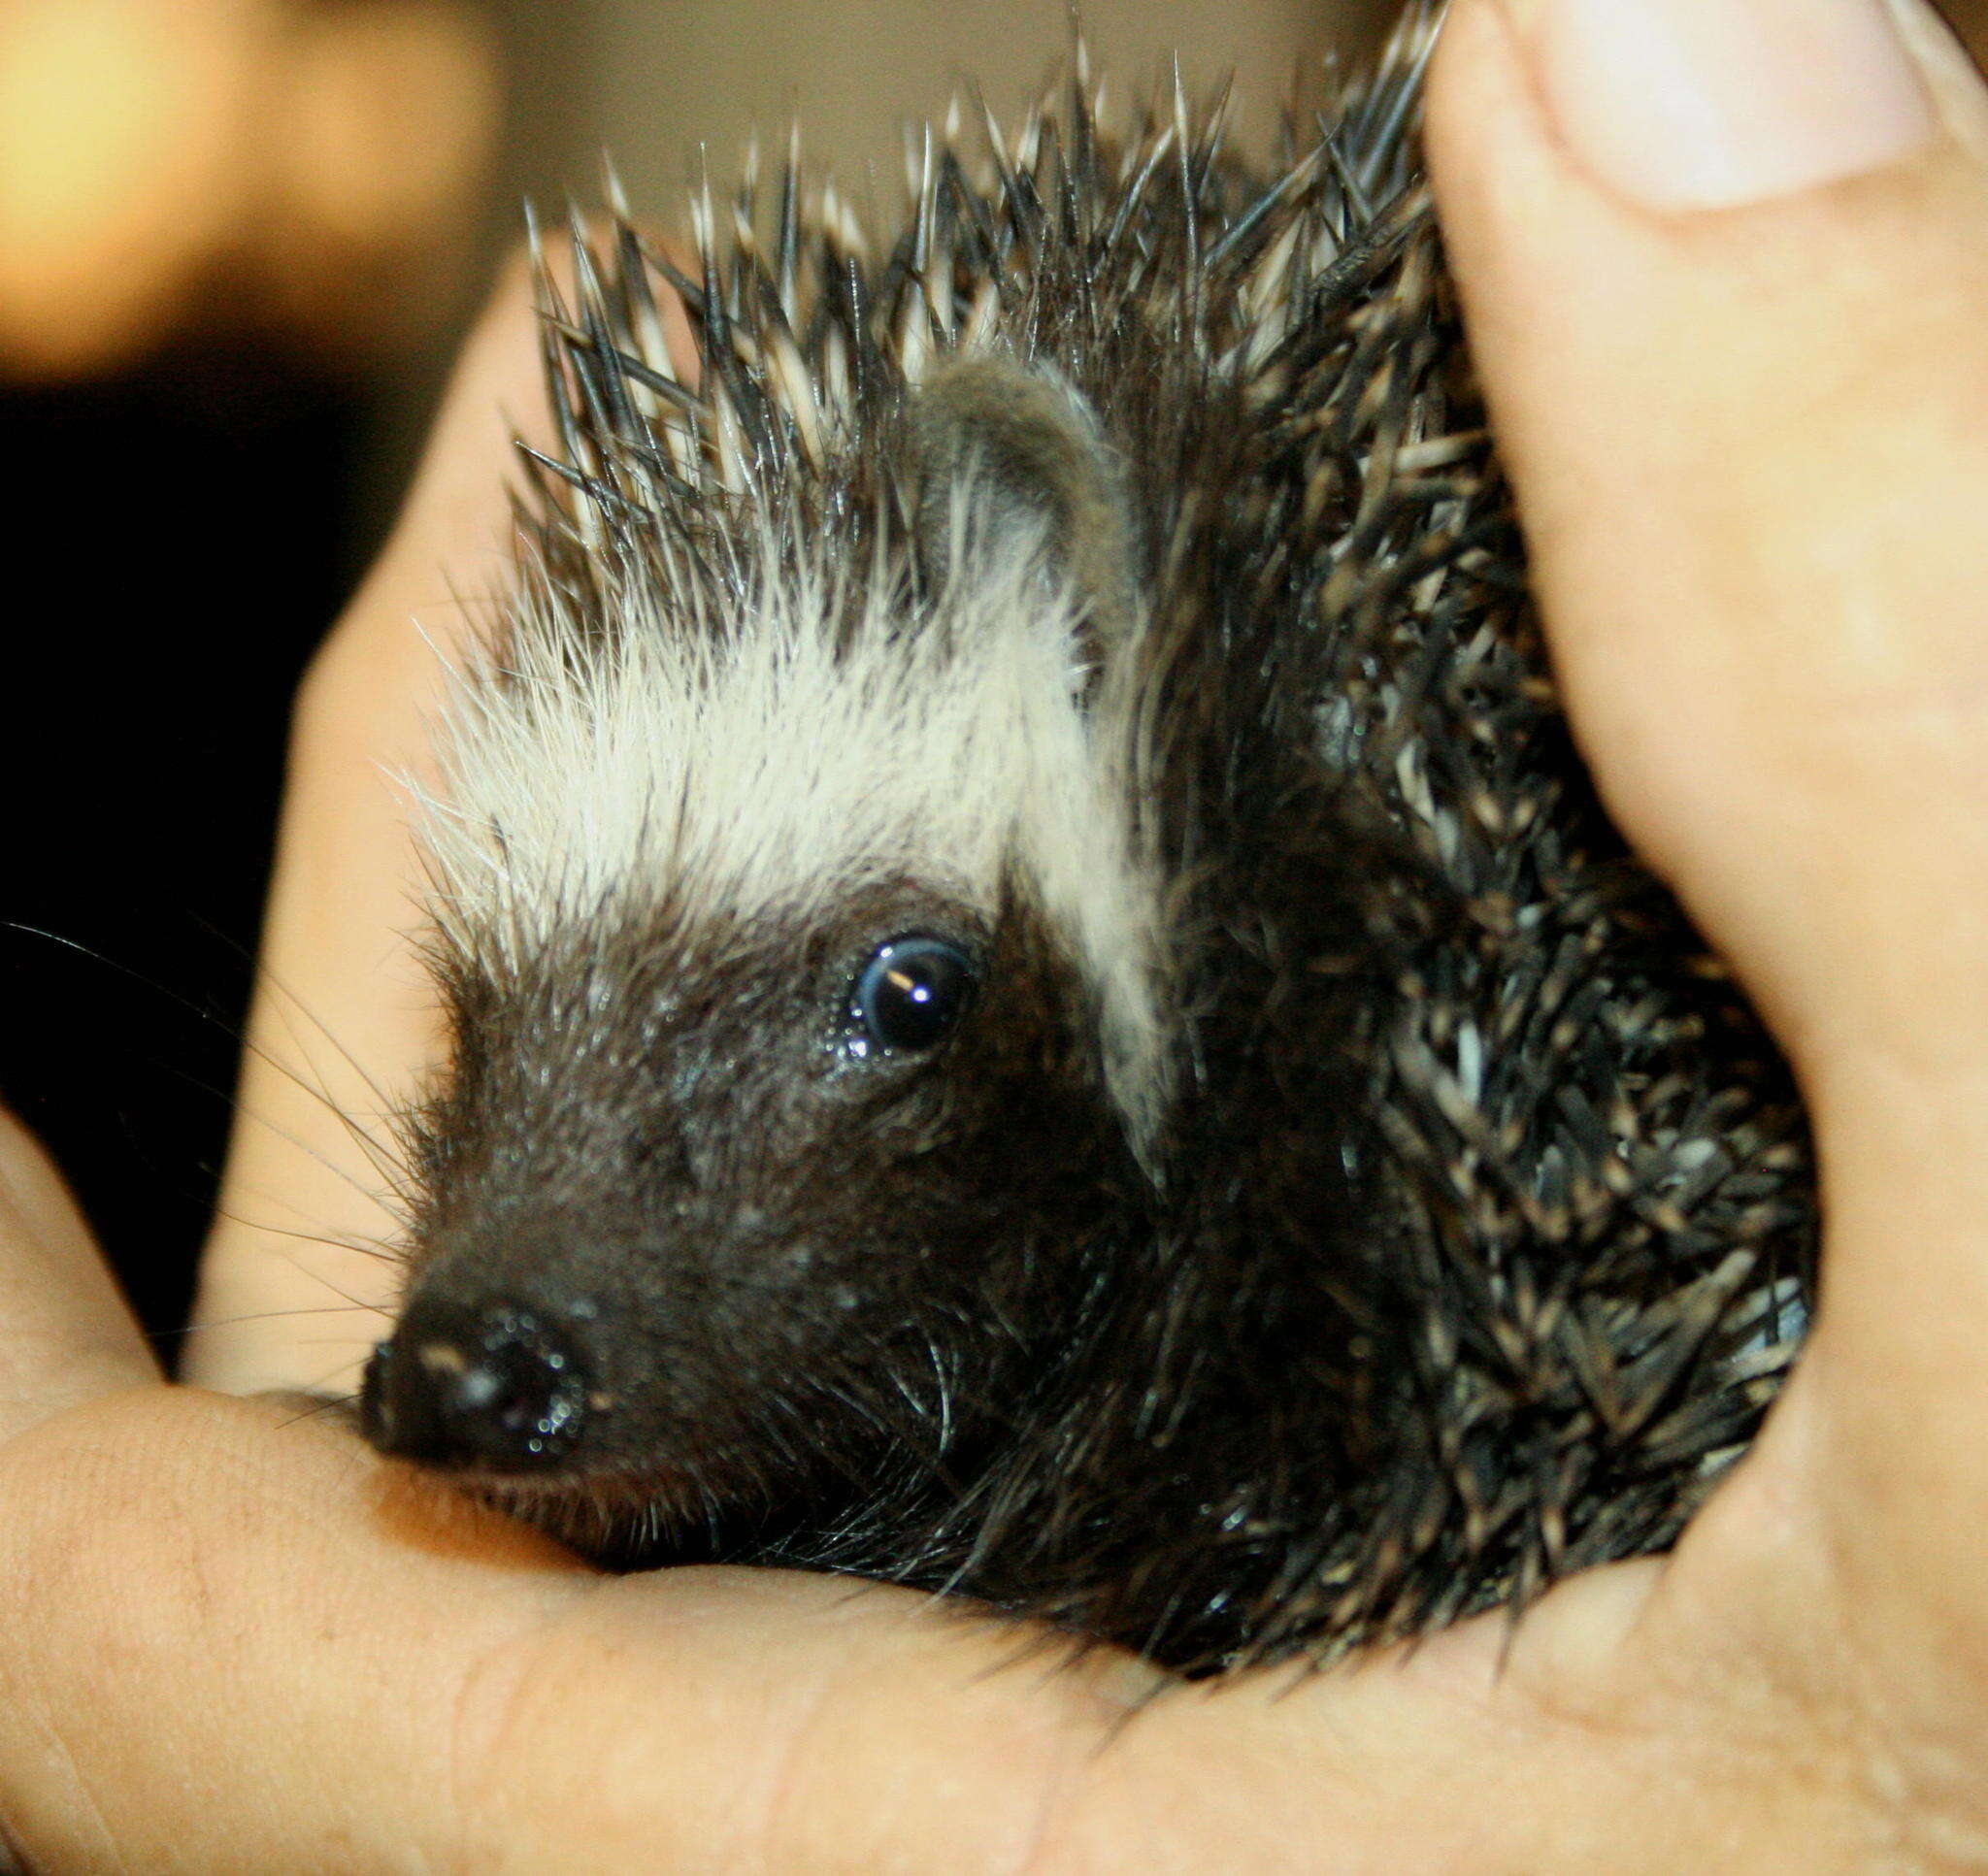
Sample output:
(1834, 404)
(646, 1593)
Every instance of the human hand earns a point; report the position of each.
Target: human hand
(1742, 439)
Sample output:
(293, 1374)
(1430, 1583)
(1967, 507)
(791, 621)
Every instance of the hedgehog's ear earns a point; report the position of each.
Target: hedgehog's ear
(1010, 459)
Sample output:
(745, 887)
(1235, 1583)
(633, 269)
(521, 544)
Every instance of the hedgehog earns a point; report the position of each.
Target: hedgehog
(1040, 1004)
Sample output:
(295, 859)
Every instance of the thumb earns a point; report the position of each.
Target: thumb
(1725, 264)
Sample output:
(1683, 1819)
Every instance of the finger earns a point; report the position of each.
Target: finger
(1738, 438)
(1725, 264)
(66, 1334)
(201, 1600)
(343, 1026)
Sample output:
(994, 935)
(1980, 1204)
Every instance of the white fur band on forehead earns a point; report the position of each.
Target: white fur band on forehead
(778, 761)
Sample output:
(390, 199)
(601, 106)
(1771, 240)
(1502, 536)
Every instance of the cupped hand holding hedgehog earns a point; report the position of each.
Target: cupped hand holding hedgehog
(1723, 264)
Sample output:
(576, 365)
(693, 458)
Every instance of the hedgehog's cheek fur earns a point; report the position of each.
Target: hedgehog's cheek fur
(788, 1279)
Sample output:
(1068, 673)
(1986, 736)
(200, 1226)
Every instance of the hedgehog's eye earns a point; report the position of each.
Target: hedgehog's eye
(909, 995)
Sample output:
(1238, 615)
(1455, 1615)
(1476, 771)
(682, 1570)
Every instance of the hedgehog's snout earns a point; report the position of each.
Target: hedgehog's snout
(493, 1388)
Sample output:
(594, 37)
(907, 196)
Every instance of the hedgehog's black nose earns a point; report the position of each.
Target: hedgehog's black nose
(491, 1387)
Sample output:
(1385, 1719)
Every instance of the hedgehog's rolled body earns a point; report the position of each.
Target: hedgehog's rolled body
(1041, 1004)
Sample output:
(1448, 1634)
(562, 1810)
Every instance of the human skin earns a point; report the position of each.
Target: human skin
(1750, 450)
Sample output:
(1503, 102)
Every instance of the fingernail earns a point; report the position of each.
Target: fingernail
(1713, 104)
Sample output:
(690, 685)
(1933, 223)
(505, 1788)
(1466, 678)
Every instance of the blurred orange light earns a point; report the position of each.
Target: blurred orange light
(389, 121)
(236, 165)
(119, 130)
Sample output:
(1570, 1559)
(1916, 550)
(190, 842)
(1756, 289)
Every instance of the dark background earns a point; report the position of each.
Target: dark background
(158, 642)
(189, 503)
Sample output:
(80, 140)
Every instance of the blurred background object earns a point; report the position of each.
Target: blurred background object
(239, 239)
(238, 168)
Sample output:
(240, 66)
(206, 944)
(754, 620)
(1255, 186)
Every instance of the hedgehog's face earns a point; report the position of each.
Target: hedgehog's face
(803, 989)
(720, 1214)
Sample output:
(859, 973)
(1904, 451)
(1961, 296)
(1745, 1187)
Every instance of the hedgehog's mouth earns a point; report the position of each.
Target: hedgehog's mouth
(606, 1489)
(628, 1518)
